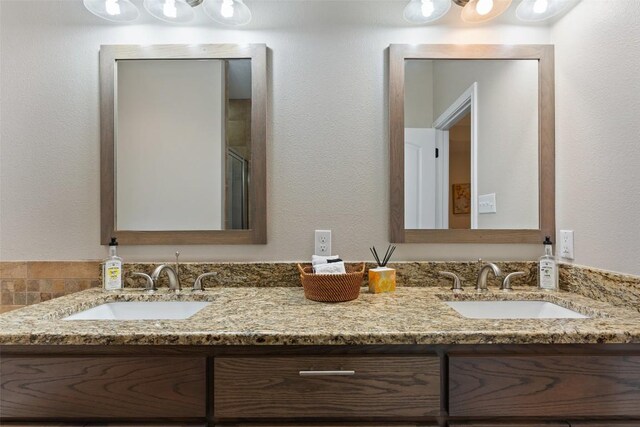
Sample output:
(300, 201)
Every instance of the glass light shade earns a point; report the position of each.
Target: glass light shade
(423, 11)
(113, 10)
(484, 10)
(173, 11)
(227, 12)
(540, 10)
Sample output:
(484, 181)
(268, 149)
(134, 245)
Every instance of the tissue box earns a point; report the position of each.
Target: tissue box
(382, 279)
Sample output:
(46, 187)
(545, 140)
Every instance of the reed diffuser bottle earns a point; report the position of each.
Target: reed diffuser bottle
(382, 278)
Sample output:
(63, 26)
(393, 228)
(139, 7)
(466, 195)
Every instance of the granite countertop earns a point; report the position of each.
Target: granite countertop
(282, 316)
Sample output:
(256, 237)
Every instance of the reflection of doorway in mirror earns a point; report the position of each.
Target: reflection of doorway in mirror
(460, 174)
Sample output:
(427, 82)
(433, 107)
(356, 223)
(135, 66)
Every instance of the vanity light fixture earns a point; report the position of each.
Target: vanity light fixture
(476, 11)
(227, 12)
(172, 11)
(423, 11)
(540, 10)
(113, 10)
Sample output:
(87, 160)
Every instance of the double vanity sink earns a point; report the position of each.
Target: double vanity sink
(180, 310)
(267, 356)
(428, 315)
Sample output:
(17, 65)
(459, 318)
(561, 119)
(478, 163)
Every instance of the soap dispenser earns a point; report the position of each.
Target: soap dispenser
(548, 268)
(112, 269)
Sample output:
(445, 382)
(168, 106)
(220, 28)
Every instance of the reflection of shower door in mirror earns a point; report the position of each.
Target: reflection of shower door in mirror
(237, 187)
(425, 179)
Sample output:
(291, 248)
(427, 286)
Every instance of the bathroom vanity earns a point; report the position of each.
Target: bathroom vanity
(267, 356)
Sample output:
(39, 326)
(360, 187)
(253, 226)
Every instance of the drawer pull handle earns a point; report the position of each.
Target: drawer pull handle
(326, 373)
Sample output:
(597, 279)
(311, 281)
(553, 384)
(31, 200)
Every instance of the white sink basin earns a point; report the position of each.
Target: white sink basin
(513, 310)
(141, 310)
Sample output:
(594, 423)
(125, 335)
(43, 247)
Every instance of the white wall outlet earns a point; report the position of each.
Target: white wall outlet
(323, 242)
(487, 203)
(566, 244)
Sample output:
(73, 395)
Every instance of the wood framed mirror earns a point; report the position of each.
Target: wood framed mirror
(472, 143)
(183, 144)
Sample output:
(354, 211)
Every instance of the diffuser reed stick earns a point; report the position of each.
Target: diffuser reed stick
(386, 258)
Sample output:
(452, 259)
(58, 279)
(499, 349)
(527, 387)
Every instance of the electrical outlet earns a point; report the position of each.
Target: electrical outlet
(487, 203)
(323, 242)
(566, 244)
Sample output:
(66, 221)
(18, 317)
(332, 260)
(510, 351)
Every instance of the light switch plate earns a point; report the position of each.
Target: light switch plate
(487, 203)
(566, 244)
(323, 242)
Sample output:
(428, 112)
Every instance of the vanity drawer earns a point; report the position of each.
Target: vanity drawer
(544, 386)
(102, 387)
(327, 387)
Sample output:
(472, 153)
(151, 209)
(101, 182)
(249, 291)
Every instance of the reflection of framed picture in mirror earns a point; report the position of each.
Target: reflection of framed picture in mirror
(461, 198)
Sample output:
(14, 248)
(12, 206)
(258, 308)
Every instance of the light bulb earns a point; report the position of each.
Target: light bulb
(425, 11)
(484, 6)
(540, 6)
(113, 10)
(169, 9)
(226, 10)
(172, 11)
(541, 10)
(427, 8)
(112, 7)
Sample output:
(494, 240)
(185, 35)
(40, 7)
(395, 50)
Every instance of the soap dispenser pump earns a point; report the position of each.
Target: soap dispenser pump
(548, 268)
(112, 269)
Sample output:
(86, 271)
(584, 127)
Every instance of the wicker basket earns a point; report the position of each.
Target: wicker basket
(332, 287)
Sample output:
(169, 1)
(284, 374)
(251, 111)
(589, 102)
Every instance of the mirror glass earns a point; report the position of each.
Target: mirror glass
(183, 144)
(471, 144)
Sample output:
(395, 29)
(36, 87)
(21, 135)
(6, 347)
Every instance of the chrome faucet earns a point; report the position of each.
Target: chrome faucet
(457, 282)
(506, 283)
(481, 284)
(174, 280)
(197, 285)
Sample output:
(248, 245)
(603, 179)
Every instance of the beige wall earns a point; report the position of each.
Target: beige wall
(598, 132)
(418, 94)
(327, 149)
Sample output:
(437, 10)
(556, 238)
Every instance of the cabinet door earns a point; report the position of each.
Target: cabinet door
(544, 386)
(605, 423)
(326, 425)
(393, 387)
(102, 387)
(510, 424)
(81, 424)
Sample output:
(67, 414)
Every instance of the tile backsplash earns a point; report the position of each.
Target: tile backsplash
(31, 282)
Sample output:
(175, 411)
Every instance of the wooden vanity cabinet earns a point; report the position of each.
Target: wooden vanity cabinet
(373, 386)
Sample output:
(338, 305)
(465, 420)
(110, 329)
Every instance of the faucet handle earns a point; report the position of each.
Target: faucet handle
(150, 285)
(197, 285)
(457, 282)
(506, 283)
